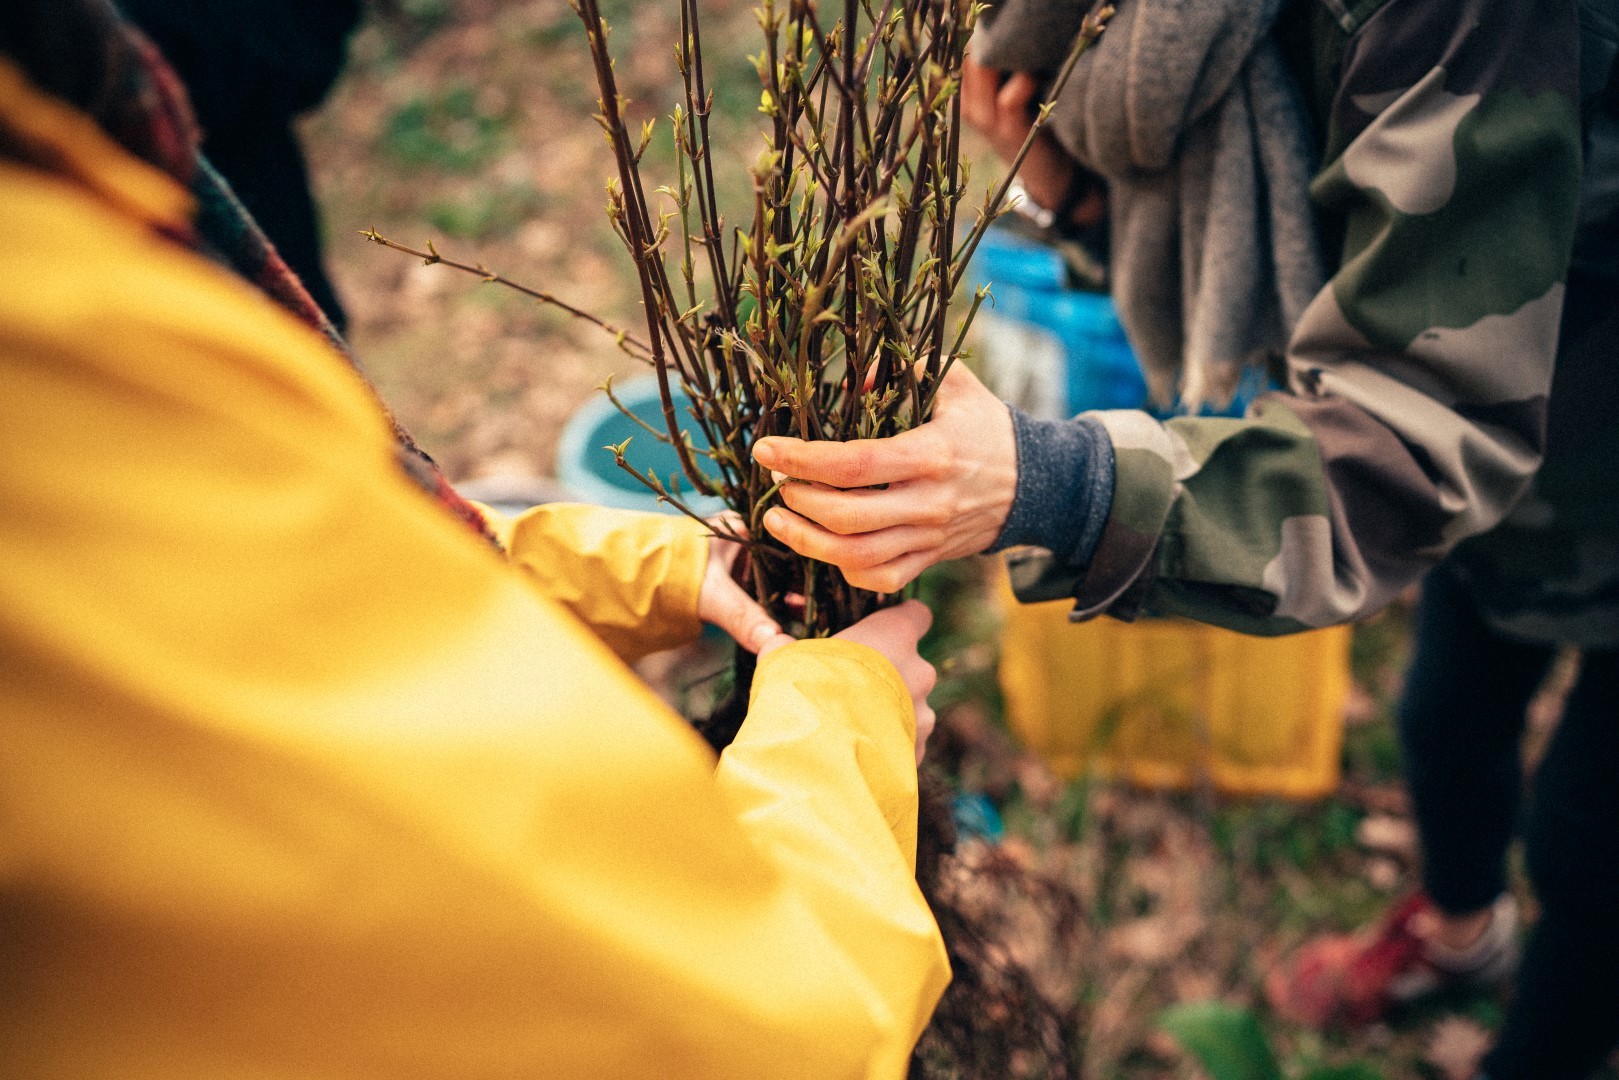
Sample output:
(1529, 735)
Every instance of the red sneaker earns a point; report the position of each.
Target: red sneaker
(1356, 979)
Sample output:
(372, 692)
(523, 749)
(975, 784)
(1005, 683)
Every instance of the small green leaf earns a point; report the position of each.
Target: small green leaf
(1354, 1071)
(1225, 1040)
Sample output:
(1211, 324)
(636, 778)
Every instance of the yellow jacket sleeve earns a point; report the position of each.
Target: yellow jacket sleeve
(786, 775)
(299, 779)
(633, 578)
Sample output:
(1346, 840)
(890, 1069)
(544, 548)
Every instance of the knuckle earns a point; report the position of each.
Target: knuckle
(852, 560)
(853, 466)
(879, 549)
(843, 518)
(937, 456)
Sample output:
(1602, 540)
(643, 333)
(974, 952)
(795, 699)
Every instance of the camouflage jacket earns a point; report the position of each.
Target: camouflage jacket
(1419, 380)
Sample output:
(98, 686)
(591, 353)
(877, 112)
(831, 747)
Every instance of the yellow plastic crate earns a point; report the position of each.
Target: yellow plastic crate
(1167, 702)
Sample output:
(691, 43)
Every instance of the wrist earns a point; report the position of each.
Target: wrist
(1060, 199)
(1064, 486)
(1040, 210)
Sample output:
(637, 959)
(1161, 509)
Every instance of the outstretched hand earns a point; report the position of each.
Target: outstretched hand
(895, 632)
(724, 603)
(947, 489)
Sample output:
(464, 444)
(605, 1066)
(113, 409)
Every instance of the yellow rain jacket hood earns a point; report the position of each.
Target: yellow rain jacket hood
(300, 779)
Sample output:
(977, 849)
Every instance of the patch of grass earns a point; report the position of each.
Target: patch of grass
(423, 17)
(1070, 813)
(1372, 752)
(563, 26)
(487, 213)
(449, 128)
(555, 32)
(1381, 644)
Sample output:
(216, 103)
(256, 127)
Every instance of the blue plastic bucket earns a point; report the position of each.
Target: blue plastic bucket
(588, 469)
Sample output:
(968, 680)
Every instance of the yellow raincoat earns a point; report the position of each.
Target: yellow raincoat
(298, 779)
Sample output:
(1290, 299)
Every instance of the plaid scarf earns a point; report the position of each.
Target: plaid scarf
(86, 53)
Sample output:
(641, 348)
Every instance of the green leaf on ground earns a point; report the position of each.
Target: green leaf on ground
(1225, 1040)
(1356, 1071)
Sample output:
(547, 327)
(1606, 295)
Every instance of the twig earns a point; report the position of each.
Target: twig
(431, 257)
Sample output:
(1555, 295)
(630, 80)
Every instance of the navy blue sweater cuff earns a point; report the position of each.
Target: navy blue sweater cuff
(1064, 486)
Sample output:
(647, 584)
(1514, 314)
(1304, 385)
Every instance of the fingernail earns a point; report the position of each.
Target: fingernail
(778, 477)
(764, 453)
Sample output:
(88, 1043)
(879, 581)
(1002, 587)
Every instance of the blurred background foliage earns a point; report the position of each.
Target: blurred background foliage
(469, 121)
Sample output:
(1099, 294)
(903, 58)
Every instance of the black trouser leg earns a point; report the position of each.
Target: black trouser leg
(1564, 1018)
(1461, 718)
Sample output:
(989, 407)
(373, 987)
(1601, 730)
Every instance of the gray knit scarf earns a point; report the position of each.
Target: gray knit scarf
(1186, 109)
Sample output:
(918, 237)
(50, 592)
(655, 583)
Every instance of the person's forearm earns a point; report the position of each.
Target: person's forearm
(1419, 375)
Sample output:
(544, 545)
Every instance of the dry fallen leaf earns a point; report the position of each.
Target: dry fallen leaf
(1455, 1047)
(1360, 707)
(1193, 985)
(1388, 835)
(1383, 873)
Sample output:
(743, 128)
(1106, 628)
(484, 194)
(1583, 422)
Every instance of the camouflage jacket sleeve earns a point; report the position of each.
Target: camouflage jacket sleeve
(1418, 377)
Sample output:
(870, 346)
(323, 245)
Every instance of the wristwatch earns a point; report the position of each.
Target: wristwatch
(1084, 248)
(1023, 204)
(1060, 217)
